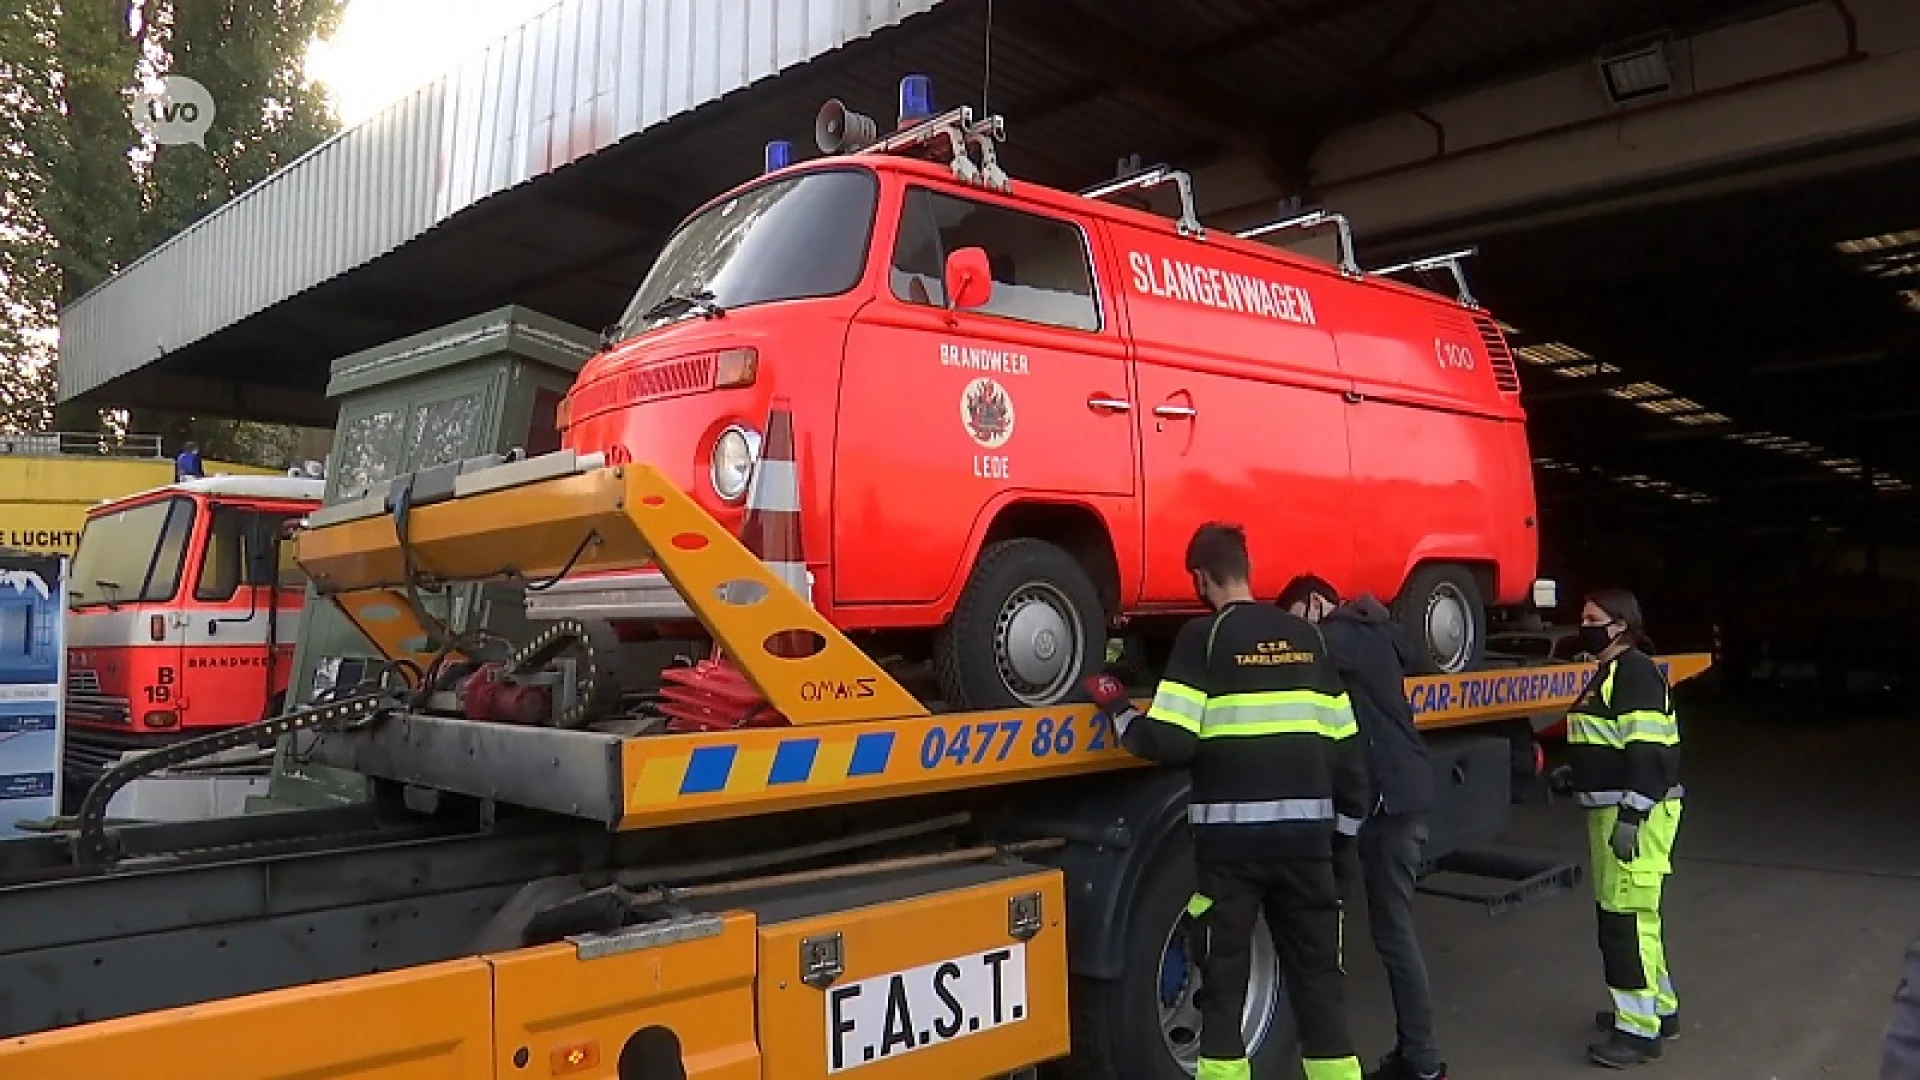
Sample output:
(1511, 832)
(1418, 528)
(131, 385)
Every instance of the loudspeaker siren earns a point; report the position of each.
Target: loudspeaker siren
(839, 130)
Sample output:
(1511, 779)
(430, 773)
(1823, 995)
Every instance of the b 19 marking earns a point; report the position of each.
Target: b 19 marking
(976, 743)
(889, 1015)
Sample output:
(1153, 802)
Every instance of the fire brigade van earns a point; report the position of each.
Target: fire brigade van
(183, 610)
(1012, 405)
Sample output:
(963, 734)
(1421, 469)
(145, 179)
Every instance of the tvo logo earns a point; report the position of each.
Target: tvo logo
(178, 114)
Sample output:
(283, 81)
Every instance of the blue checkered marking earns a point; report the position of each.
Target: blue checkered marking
(707, 770)
(870, 753)
(793, 761)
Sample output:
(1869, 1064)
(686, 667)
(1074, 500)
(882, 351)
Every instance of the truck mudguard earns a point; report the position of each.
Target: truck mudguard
(1117, 826)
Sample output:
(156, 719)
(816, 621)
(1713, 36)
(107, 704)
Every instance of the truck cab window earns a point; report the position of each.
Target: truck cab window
(1041, 272)
(132, 555)
(243, 546)
(225, 555)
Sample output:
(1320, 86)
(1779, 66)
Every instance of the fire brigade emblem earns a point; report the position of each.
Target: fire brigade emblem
(986, 409)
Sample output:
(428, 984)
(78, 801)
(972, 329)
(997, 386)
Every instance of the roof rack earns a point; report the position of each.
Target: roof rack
(838, 129)
(1189, 220)
(1447, 260)
(1309, 220)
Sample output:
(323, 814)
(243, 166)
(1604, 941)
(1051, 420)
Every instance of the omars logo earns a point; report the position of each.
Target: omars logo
(986, 410)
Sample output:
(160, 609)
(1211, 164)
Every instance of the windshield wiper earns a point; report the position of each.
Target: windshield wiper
(696, 300)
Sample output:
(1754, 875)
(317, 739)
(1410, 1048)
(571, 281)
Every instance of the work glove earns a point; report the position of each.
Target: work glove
(1626, 840)
(1110, 697)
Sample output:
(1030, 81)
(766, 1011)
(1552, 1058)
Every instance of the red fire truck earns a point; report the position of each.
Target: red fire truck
(183, 610)
(991, 480)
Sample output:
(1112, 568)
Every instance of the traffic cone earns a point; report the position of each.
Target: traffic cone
(713, 695)
(772, 527)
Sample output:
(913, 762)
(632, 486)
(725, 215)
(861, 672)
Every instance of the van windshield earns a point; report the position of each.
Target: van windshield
(797, 237)
(131, 556)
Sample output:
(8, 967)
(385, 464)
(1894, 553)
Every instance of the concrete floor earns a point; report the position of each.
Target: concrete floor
(1796, 891)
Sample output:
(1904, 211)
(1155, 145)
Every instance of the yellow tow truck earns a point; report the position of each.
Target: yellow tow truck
(869, 889)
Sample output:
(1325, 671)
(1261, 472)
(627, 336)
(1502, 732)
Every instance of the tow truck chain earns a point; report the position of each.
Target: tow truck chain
(93, 847)
(596, 690)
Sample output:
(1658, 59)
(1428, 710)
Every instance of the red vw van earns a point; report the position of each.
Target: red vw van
(1013, 404)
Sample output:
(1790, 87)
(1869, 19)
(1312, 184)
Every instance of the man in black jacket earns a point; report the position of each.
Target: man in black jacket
(1372, 658)
(1253, 708)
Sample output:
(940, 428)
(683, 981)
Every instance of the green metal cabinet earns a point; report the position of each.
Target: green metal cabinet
(488, 384)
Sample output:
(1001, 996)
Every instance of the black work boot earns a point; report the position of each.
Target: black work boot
(1623, 1051)
(1669, 1025)
(1395, 1067)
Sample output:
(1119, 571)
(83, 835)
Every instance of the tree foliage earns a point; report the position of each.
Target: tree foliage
(82, 193)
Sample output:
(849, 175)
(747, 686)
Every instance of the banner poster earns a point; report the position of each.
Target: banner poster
(32, 670)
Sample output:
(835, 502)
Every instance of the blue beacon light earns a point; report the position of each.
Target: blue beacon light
(916, 99)
(779, 154)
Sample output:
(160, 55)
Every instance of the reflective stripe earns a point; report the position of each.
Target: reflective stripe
(1587, 730)
(1633, 800)
(1178, 704)
(1346, 1068)
(1594, 800)
(1346, 826)
(1198, 905)
(1644, 725)
(774, 485)
(1219, 1069)
(1647, 725)
(1636, 1013)
(1280, 712)
(1257, 813)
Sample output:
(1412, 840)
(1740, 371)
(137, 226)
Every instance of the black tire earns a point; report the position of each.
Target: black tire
(1116, 1024)
(1428, 588)
(1007, 578)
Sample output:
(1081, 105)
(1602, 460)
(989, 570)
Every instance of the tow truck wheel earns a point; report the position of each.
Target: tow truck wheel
(1441, 613)
(1028, 627)
(1145, 1025)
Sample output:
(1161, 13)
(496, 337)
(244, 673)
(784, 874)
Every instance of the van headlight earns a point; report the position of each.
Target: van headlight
(733, 456)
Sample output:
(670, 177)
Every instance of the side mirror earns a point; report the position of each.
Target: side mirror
(969, 278)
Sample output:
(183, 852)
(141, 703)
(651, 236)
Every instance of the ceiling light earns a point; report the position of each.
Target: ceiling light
(1636, 70)
(1584, 371)
(1881, 242)
(1703, 418)
(1640, 390)
(1550, 352)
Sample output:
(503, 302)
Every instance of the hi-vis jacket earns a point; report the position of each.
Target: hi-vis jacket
(1623, 740)
(1252, 704)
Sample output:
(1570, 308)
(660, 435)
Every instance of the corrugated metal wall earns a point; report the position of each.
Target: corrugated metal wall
(585, 74)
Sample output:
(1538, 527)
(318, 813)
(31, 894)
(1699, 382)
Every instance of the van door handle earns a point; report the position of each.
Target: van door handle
(1183, 412)
(1354, 397)
(1107, 404)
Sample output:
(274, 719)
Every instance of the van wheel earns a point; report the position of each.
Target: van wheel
(1144, 1024)
(1443, 618)
(1028, 627)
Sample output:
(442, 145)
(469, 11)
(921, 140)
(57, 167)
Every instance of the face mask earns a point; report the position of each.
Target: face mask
(1595, 639)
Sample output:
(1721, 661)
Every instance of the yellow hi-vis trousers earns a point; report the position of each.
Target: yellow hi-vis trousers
(1632, 949)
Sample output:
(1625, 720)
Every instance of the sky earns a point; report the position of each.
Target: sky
(386, 48)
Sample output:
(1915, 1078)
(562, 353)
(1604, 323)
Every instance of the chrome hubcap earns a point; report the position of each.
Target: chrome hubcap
(1179, 983)
(1037, 644)
(1449, 628)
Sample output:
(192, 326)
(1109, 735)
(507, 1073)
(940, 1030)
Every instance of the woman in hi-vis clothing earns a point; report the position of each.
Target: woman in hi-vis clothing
(1623, 750)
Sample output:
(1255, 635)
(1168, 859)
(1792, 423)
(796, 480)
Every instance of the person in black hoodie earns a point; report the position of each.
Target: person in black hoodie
(1372, 657)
